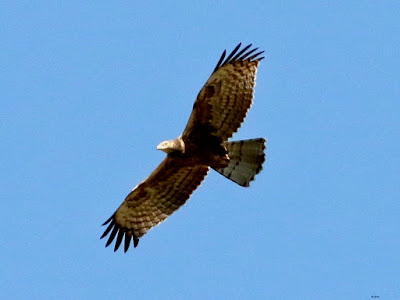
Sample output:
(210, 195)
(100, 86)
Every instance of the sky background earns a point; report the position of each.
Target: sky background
(88, 89)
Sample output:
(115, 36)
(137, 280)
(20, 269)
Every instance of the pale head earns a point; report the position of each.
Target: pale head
(172, 146)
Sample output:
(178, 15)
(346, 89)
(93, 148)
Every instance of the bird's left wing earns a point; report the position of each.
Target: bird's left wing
(153, 200)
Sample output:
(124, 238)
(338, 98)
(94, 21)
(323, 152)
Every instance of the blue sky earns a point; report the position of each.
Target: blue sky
(88, 91)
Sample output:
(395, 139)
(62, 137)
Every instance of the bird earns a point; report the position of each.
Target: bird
(218, 112)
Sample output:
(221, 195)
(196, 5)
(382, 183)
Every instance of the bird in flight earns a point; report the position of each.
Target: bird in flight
(219, 110)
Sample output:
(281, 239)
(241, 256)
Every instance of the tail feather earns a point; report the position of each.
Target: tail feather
(245, 160)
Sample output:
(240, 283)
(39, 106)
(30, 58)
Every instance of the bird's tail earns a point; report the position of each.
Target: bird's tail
(245, 160)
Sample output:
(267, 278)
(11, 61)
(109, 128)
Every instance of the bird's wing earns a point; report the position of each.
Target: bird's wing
(153, 200)
(224, 100)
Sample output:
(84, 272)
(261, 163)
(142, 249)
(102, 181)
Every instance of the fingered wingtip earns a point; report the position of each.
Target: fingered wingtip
(239, 55)
(119, 232)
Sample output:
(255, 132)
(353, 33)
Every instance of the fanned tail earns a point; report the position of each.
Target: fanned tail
(245, 160)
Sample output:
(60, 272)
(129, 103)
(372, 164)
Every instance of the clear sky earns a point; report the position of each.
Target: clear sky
(89, 88)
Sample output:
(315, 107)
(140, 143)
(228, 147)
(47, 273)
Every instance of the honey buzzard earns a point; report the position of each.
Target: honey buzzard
(218, 112)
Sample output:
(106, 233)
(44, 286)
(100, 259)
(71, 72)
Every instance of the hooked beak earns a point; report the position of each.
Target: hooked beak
(162, 146)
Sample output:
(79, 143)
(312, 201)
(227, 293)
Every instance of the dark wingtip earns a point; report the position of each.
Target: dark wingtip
(119, 232)
(242, 55)
(128, 238)
(255, 55)
(112, 236)
(238, 55)
(108, 220)
(119, 240)
(229, 58)
(220, 61)
(107, 230)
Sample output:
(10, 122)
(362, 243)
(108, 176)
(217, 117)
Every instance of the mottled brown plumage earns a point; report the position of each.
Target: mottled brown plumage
(218, 112)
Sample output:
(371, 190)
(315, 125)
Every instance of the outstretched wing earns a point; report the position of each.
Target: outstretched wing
(153, 200)
(224, 100)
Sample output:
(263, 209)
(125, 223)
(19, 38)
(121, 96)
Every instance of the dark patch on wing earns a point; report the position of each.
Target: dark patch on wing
(210, 91)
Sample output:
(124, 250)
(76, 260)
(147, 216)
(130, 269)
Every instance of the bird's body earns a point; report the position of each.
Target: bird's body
(218, 112)
(207, 151)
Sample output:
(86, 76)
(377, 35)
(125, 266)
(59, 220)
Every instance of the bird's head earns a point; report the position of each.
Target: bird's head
(170, 146)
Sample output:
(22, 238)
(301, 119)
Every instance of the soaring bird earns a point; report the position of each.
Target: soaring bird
(219, 110)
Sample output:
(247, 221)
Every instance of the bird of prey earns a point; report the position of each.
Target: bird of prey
(218, 112)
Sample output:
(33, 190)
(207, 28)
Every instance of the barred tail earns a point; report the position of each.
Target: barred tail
(245, 160)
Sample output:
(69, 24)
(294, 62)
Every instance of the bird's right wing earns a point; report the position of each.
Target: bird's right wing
(223, 102)
(153, 200)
